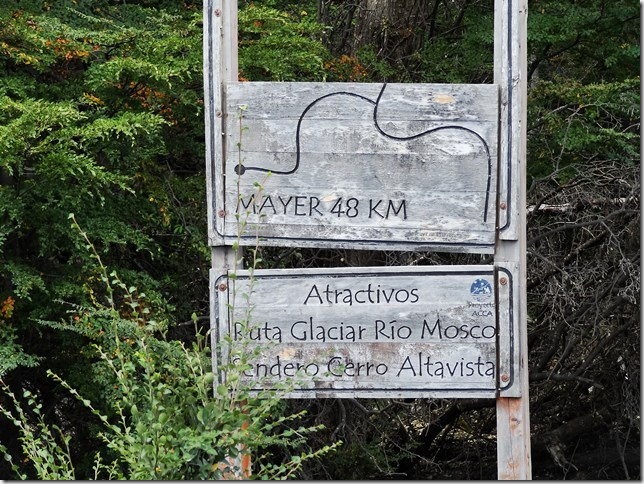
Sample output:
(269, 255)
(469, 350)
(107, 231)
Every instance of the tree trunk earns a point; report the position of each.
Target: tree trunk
(395, 28)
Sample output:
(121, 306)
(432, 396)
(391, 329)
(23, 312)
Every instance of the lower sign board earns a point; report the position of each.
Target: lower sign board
(440, 331)
(356, 165)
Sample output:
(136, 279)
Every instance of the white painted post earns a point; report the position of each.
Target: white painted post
(513, 417)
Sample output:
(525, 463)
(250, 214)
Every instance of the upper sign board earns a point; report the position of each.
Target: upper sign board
(440, 331)
(354, 165)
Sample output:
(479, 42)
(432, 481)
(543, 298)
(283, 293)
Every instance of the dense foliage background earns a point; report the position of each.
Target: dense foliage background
(101, 115)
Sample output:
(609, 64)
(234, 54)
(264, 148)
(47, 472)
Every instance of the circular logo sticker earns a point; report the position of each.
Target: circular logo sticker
(481, 289)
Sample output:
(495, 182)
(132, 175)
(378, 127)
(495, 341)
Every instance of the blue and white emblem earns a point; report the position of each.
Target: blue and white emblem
(481, 289)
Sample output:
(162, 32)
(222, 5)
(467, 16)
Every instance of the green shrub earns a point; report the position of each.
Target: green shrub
(164, 421)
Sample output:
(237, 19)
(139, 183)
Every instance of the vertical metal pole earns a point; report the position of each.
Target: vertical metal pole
(510, 63)
(220, 65)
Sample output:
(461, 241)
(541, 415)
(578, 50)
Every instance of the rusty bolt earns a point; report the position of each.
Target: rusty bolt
(221, 213)
(217, 12)
(219, 114)
(503, 205)
(505, 377)
(223, 286)
(503, 281)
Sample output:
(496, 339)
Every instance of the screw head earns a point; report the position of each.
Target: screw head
(503, 281)
(217, 12)
(503, 205)
(505, 378)
(221, 213)
(223, 286)
(219, 114)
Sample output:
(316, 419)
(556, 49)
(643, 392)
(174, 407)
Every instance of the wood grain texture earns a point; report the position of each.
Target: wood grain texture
(509, 59)
(513, 414)
(427, 102)
(368, 332)
(212, 82)
(372, 165)
(220, 66)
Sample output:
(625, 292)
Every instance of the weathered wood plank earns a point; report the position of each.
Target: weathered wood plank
(361, 215)
(328, 136)
(440, 163)
(427, 102)
(509, 60)
(220, 65)
(378, 332)
(513, 414)
(212, 83)
(365, 170)
(364, 212)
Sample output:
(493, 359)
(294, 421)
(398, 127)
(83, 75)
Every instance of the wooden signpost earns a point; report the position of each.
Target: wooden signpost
(510, 73)
(374, 166)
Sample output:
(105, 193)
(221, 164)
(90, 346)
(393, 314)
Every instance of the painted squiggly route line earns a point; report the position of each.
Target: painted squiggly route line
(241, 169)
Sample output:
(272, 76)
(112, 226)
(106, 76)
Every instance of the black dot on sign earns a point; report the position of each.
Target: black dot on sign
(240, 169)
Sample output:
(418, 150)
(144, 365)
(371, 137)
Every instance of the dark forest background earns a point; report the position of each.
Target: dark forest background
(101, 116)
